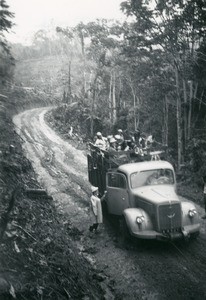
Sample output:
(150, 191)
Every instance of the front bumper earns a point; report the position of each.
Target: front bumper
(185, 233)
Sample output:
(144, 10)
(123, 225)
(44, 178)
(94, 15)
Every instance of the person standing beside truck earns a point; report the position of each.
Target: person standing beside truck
(96, 209)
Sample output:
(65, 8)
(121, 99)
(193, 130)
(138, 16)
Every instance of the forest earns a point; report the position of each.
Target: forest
(147, 73)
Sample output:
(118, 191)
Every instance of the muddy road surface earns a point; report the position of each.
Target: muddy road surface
(146, 270)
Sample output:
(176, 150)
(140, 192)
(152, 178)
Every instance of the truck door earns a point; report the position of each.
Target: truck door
(117, 194)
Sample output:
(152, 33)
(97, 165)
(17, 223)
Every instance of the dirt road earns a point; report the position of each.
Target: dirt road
(150, 270)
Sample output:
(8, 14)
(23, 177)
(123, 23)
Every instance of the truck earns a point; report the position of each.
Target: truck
(142, 194)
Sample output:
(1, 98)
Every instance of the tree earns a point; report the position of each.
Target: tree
(101, 50)
(6, 59)
(176, 28)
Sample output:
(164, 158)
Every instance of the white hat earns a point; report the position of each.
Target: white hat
(94, 189)
(112, 140)
(99, 134)
(120, 130)
(117, 137)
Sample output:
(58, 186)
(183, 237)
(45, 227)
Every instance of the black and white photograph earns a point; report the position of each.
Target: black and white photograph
(102, 149)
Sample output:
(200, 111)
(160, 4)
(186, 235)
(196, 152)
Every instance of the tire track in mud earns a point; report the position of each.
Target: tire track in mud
(53, 172)
(177, 269)
(54, 156)
(164, 268)
(149, 270)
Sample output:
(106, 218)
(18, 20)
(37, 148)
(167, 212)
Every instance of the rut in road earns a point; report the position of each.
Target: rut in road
(54, 162)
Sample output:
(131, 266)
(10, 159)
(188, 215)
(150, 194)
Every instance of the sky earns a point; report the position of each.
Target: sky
(32, 15)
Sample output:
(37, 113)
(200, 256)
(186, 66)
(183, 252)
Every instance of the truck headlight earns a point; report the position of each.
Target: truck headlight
(192, 213)
(140, 219)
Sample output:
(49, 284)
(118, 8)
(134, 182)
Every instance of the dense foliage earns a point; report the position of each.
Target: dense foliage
(6, 59)
(148, 72)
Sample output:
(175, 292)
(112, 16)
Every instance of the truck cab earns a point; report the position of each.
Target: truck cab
(143, 195)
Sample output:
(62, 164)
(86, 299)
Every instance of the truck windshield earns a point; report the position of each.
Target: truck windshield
(152, 177)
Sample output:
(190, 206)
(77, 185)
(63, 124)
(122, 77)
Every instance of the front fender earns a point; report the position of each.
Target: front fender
(131, 214)
(187, 221)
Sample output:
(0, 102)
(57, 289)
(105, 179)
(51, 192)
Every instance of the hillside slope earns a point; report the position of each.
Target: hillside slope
(34, 264)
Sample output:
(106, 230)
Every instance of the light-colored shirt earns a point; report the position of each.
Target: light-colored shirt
(204, 191)
(100, 143)
(97, 208)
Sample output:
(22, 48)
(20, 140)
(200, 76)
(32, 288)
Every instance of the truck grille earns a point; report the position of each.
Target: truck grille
(169, 217)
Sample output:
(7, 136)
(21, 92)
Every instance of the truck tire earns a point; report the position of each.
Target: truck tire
(124, 234)
(105, 208)
(194, 236)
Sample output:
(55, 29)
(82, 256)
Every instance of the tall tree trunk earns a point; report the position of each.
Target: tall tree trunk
(84, 62)
(90, 84)
(120, 104)
(137, 110)
(178, 117)
(134, 107)
(185, 124)
(114, 110)
(190, 109)
(69, 84)
(93, 105)
(92, 112)
(110, 100)
(201, 97)
(165, 122)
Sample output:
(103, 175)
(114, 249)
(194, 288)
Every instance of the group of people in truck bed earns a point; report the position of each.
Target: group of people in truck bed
(112, 143)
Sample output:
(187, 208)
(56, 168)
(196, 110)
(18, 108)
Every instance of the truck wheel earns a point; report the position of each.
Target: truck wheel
(194, 236)
(105, 208)
(124, 235)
